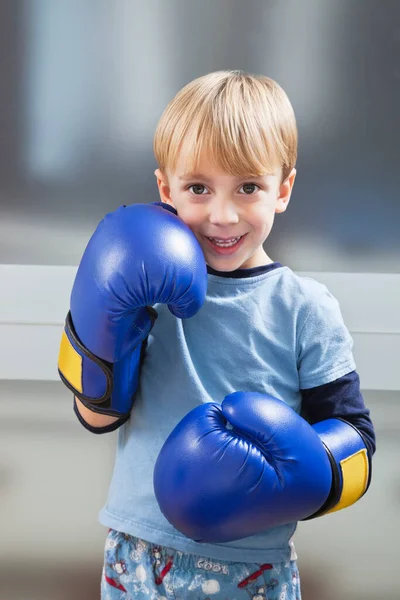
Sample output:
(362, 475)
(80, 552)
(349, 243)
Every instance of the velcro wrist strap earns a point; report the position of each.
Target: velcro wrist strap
(86, 375)
(351, 464)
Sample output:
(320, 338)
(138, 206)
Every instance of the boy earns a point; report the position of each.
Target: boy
(226, 147)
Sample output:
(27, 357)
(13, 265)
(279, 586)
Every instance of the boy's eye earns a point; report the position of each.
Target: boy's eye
(198, 189)
(249, 188)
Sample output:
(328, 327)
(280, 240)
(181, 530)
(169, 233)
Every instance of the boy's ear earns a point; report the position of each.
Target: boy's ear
(163, 187)
(285, 191)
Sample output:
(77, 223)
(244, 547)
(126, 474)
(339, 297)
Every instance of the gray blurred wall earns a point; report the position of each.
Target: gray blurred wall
(84, 83)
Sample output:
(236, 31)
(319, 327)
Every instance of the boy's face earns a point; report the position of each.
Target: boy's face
(230, 216)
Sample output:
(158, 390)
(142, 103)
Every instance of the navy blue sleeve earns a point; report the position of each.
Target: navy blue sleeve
(342, 399)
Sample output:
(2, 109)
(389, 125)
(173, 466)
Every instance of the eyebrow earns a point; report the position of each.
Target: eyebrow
(188, 176)
(191, 176)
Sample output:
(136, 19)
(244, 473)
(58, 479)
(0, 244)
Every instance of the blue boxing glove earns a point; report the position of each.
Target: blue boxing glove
(227, 472)
(138, 256)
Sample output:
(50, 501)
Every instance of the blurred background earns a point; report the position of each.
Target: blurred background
(83, 83)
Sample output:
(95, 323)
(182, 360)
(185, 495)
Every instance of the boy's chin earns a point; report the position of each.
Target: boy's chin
(223, 264)
(232, 263)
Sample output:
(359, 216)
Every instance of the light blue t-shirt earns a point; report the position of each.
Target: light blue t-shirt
(275, 333)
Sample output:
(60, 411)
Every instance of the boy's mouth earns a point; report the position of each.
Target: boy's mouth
(225, 245)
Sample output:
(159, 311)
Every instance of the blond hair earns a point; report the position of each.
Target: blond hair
(244, 123)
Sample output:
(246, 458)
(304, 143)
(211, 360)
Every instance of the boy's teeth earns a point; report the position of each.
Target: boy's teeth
(225, 243)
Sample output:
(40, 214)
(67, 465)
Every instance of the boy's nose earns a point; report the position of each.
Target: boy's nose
(223, 212)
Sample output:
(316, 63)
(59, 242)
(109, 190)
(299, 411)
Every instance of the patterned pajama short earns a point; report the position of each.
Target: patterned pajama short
(134, 568)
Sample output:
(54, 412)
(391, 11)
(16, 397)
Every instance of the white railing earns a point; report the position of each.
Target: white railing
(34, 301)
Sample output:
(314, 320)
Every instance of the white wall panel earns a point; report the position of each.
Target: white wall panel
(34, 301)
